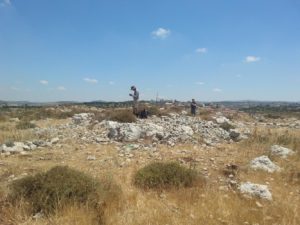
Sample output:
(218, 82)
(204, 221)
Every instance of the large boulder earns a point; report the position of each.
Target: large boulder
(256, 190)
(123, 131)
(130, 132)
(113, 128)
(264, 163)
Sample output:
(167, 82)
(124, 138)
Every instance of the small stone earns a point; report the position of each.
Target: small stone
(38, 216)
(54, 140)
(91, 158)
(163, 196)
(259, 205)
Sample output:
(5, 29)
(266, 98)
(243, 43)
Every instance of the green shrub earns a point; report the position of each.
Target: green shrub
(58, 187)
(122, 116)
(165, 175)
(22, 125)
(227, 126)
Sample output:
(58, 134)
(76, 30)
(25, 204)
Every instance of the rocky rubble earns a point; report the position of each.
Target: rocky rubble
(82, 118)
(160, 130)
(292, 123)
(171, 130)
(24, 147)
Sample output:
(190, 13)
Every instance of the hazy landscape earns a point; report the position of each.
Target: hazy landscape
(149, 112)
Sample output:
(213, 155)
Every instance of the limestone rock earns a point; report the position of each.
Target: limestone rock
(256, 190)
(91, 158)
(264, 163)
(281, 151)
(222, 119)
(54, 140)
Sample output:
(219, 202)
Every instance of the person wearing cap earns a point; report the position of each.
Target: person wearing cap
(135, 97)
(193, 107)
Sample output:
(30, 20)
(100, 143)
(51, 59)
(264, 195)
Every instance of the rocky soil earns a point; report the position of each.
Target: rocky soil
(148, 134)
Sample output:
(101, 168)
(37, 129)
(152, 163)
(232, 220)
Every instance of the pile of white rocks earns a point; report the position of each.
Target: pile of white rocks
(24, 147)
(168, 130)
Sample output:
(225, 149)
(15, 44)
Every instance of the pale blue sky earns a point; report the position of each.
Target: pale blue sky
(53, 50)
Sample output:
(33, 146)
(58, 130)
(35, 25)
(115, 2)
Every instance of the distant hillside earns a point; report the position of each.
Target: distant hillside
(101, 103)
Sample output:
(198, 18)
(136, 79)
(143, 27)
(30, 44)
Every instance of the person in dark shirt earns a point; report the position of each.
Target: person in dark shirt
(193, 107)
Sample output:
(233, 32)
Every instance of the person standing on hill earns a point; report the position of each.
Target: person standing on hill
(193, 107)
(135, 97)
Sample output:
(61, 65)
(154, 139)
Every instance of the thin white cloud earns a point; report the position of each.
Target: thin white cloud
(201, 50)
(4, 3)
(111, 83)
(199, 83)
(238, 76)
(251, 59)
(44, 82)
(61, 88)
(161, 33)
(217, 90)
(90, 80)
(15, 88)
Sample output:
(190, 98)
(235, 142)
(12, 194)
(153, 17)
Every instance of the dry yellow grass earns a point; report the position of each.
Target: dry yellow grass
(9, 132)
(192, 206)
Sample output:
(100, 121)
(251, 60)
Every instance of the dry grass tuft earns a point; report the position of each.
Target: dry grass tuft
(206, 114)
(9, 133)
(23, 125)
(119, 115)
